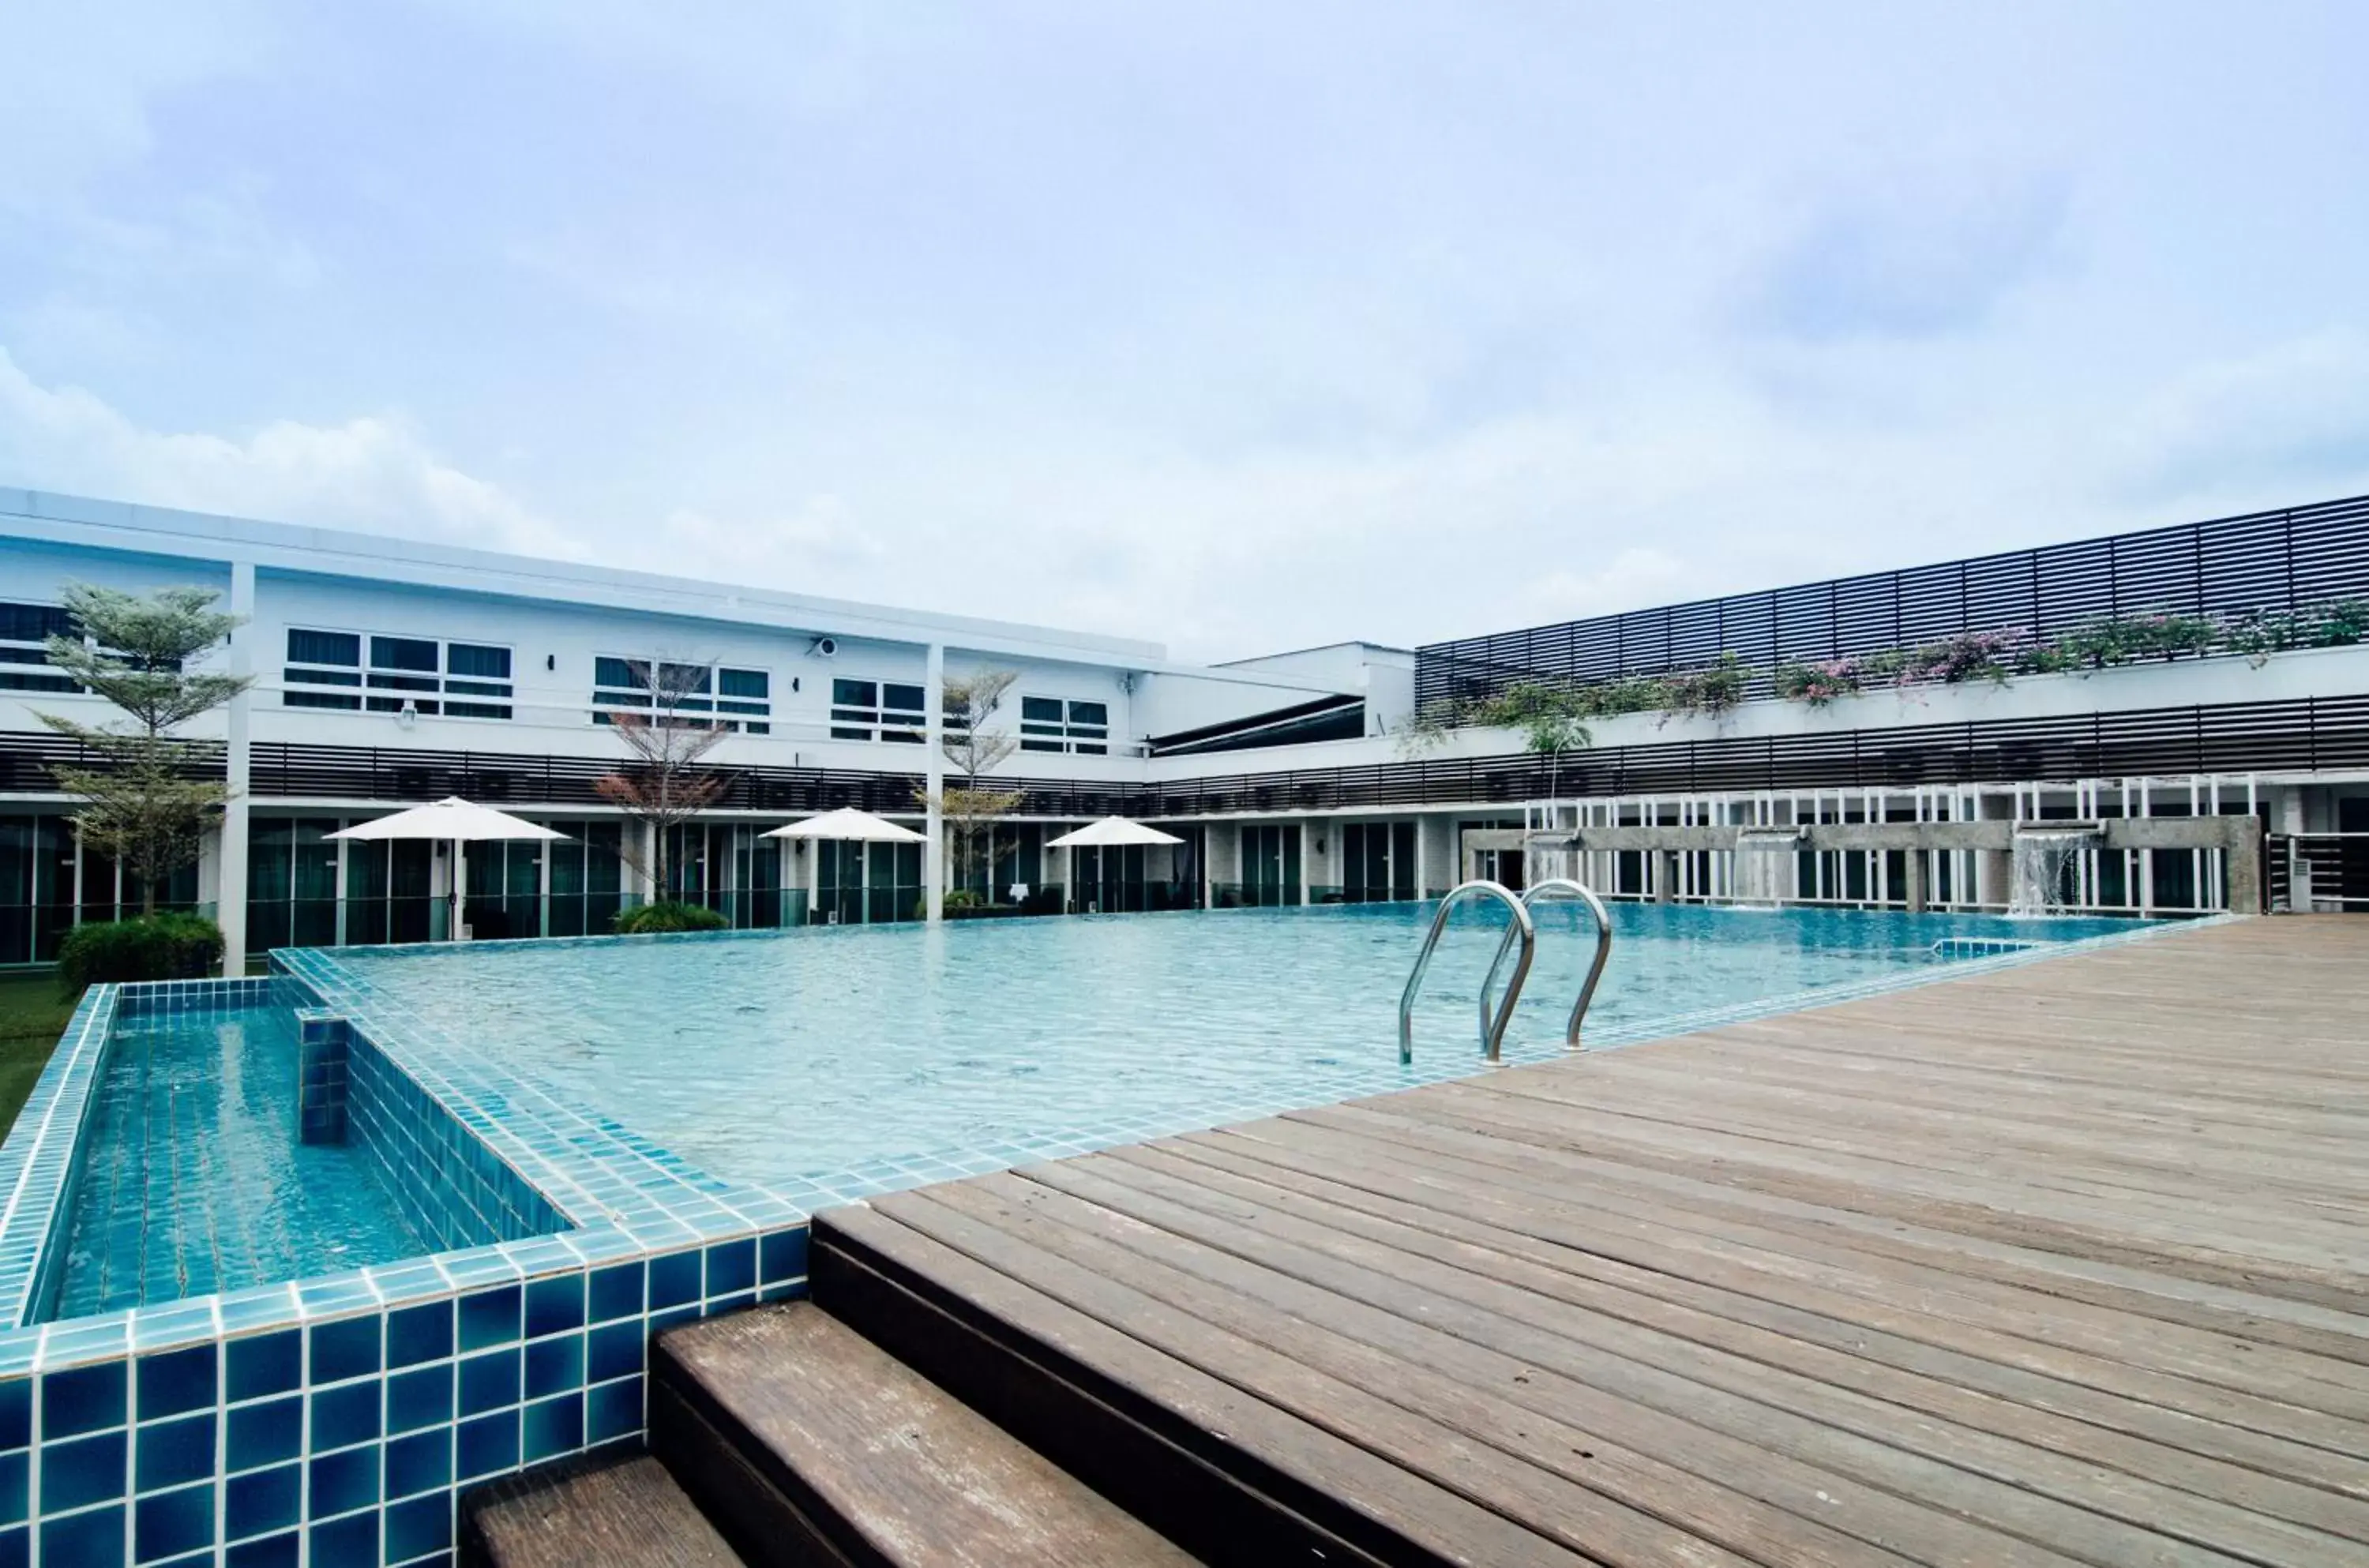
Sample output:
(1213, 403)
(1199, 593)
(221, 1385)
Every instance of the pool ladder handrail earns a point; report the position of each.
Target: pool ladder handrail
(1564, 887)
(1520, 927)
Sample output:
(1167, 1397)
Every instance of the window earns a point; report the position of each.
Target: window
(748, 692)
(883, 710)
(23, 629)
(1052, 724)
(401, 670)
(694, 688)
(323, 658)
(474, 671)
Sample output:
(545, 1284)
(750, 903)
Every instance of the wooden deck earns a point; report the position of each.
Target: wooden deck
(2067, 1263)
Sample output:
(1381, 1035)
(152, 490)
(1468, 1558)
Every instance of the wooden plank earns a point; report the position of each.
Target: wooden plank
(1239, 1422)
(2124, 1367)
(2201, 1457)
(1565, 1514)
(1509, 1406)
(1980, 1435)
(885, 1458)
(625, 1511)
(1767, 1452)
(2064, 1261)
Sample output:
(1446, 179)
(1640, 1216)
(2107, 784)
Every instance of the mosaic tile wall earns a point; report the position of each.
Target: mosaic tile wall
(453, 1187)
(335, 1420)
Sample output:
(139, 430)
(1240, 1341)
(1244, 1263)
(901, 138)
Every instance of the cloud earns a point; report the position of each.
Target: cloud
(372, 474)
(1916, 255)
(2293, 417)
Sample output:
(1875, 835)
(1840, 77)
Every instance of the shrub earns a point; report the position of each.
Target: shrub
(668, 914)
(1817, 682)
(2345, 621)
(151, 947)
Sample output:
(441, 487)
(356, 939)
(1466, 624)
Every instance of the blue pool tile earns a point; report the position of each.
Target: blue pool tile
(674, 1279)
(345, 1479)
(177, 1380)
(489, 1381)
(353, 1539)
(615, 1292)
(661, 1321)
(345, 1415)
(86, 1471)
(555, 1365)
(15, 1548)
(171, 1523)
(419, 1527)
(418, 1334)
(488, 1444)
(263, 1364)
(613, 1350)
(272, 1551)
(732, 1266)
(553, 1427)
(13, 1469)
(612, 1411)
(782, 1257)
(554, 1306)
(347, 1348)
(418, 1463)
(88, 1541)
(173, 1452)
(419, 1399)
(16, 1412)
(263, 1501)
(83, 1399)
(265, 1433)
(490, 1317)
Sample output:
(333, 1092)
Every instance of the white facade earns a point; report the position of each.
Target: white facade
(445, 618)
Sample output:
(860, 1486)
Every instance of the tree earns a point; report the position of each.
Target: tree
(142, 805)
(664, 784)
(972, 808)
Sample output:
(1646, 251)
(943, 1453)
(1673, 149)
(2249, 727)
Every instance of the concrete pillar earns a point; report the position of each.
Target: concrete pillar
(933, 853)
(1307, 830)
(1915, 859)
(1665, 876)
(230, 880)
(2244, 859)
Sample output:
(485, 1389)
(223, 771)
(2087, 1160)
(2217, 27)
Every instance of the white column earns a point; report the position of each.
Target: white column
(933, 853)
(230, 880)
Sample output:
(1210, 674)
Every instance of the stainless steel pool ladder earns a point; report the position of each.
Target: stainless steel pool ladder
(1564, 887)
(1519, 927)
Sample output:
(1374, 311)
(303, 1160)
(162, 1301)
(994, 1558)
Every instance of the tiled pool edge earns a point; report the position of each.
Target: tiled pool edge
(334, 1420)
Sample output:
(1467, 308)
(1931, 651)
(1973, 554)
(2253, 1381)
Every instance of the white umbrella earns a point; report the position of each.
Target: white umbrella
(454, 818)
(1111, 830)
(848, 823)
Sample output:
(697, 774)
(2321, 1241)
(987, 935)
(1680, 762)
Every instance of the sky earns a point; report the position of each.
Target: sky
(1239, 326)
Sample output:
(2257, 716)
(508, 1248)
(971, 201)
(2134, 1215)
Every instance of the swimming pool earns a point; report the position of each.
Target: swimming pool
(838, 1057)
(392, 1222)
(191, 1182)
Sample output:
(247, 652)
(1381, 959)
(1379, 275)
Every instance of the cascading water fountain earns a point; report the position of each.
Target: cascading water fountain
(1764, 864)
(2046, 868)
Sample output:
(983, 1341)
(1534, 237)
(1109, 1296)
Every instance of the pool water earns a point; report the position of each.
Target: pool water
(896, 1053)
(192, 1179)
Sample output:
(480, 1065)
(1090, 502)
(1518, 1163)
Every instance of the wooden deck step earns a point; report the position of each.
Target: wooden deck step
(1207, 1460)
(619, 1513)
(807, 1443)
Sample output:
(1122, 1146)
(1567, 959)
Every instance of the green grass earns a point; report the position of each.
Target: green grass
(32, 1015)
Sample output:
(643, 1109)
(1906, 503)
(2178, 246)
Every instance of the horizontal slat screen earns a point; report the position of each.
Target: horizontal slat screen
(2268, 561)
